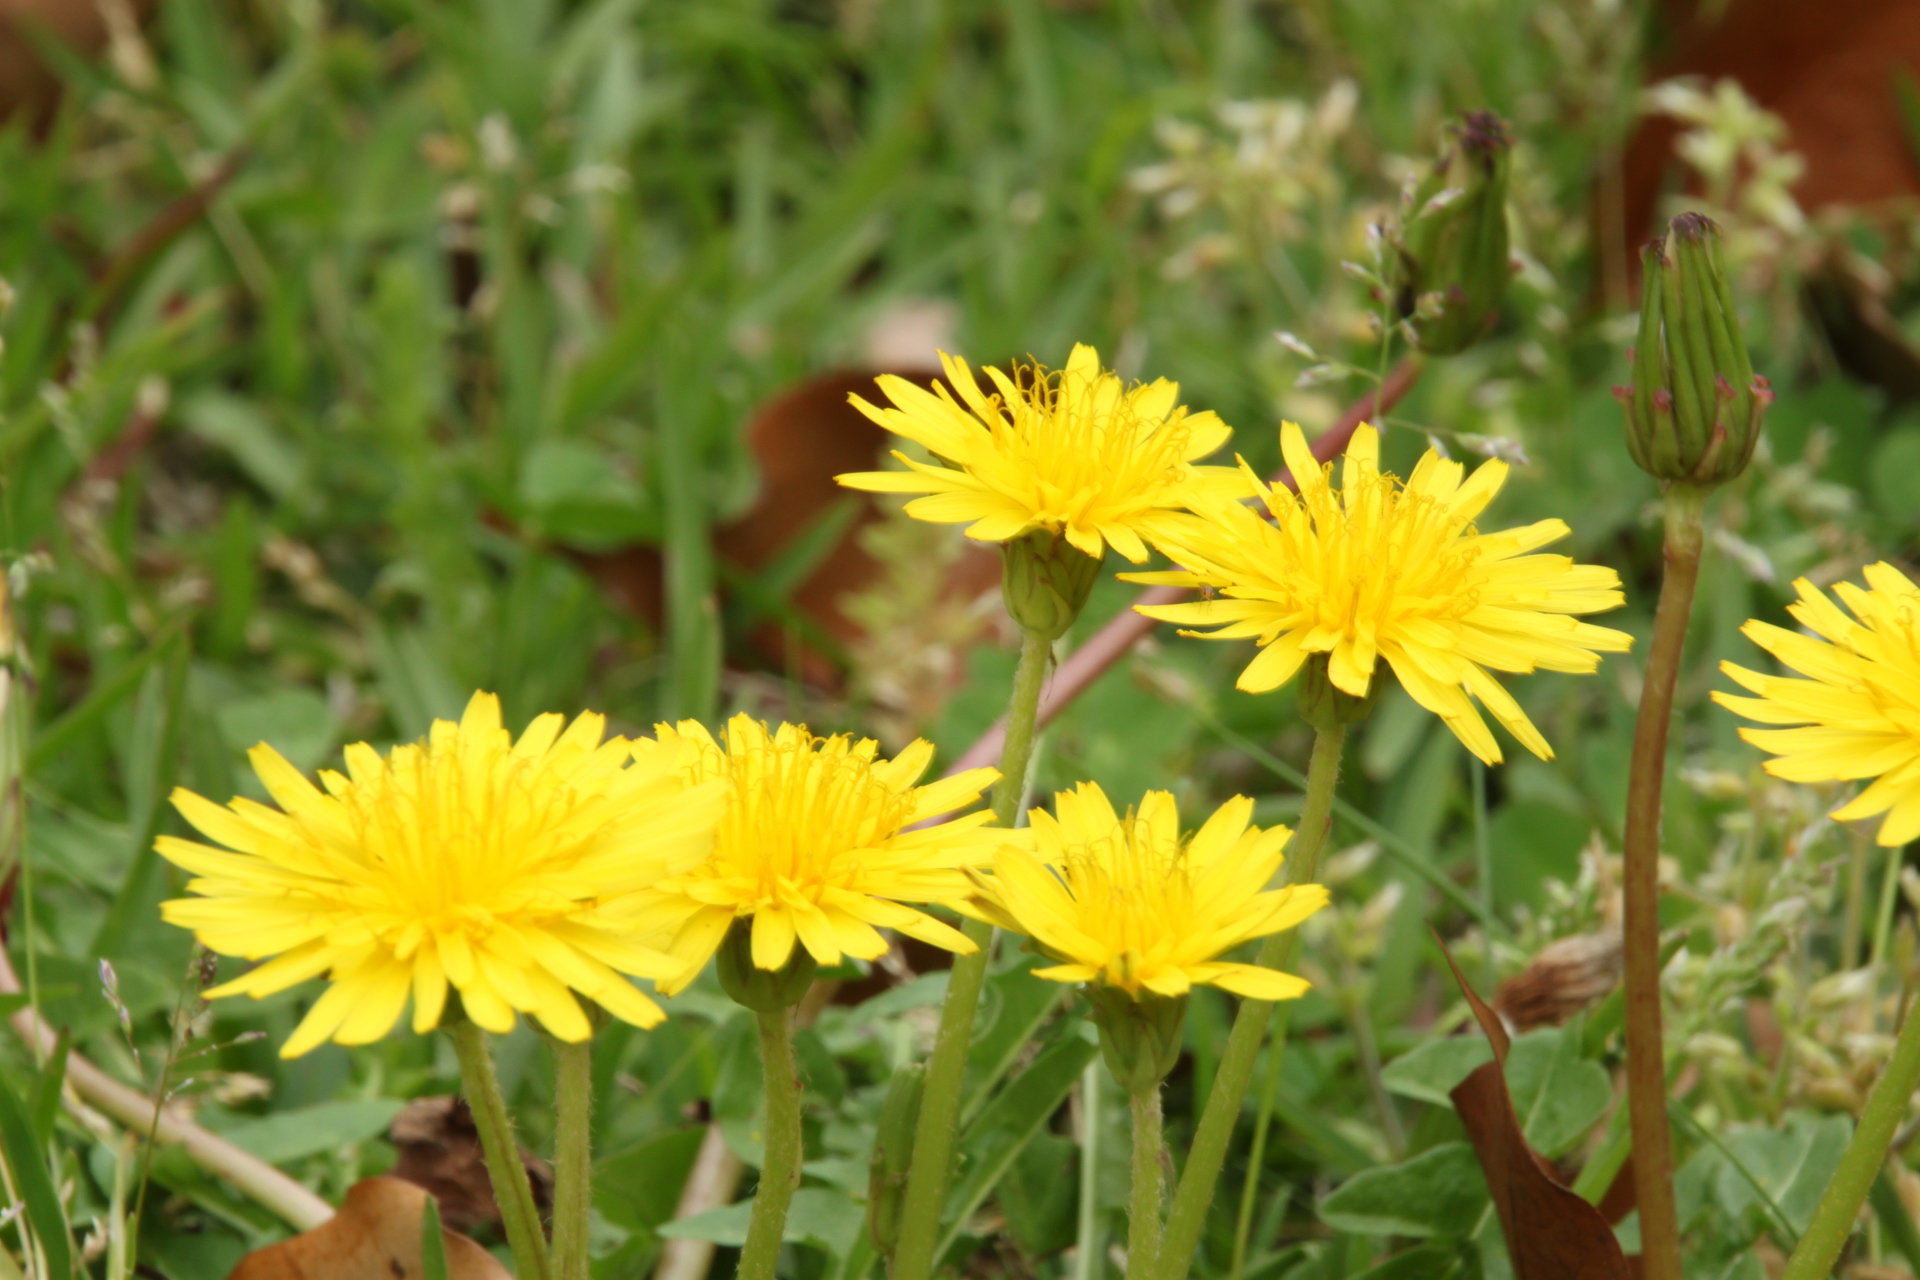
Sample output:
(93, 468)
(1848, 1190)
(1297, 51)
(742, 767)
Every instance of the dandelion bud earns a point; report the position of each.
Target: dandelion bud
(761, 990)
(1140, 1038)
(1046, 581)
(1452, 246)
(1694, 406)
(893, 1155)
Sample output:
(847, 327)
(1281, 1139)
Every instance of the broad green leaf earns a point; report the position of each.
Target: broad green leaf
(239, 427)
(292, 719)
(1793, 1164)
(821, 1216)
(1437, 1193)
(1557, 1094)
(638, 1188)
(1005, 1126)
(1432, 1071)
(290, 1135)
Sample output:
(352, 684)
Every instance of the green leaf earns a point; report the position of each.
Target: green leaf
(433, 1245)
(292, 719)
(1432, 1071)
(1016, 1006)
(821, 1216)
(1557, 1094)
(290, 1135)
(1793, 1164)
(1004, 1126)
(1437, 1193)
(240, 428)
(27, 1163)
(43, 1103)
(638, 1188)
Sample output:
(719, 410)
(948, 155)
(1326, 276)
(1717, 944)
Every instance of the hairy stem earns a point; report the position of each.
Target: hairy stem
(1646, 1061)
(1149, 1185)
(1833, 1221)
(940, 1105)
(780, 1170)
(518, 1214)
(573, 1157)
(1194, 1196)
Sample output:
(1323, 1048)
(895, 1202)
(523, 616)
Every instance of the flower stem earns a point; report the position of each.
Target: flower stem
(940, 1104)
(1646, 1061)
(1824, 1237)
(1194, 1195)
(573, 1157)
(509, 1176)
(1143, 1216)
(780, 1169)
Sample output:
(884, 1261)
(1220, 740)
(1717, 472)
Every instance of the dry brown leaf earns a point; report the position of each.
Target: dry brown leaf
(375, 1236)
(1552, 1233)
(440, 1151)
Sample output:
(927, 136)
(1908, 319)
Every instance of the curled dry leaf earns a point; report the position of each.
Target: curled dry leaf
(440, 1151)
(1552, 1233)
(375, 1236)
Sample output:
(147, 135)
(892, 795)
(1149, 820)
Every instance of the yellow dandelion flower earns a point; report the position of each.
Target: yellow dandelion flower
(1858, 713)
(1381, 569)
(1077, 453)
(1124, 902)
(817, 846)
(471, 860)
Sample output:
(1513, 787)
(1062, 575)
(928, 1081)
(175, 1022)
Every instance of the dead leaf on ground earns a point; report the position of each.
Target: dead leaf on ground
(375, 1236)
(440, 1151)
(1552, 1233)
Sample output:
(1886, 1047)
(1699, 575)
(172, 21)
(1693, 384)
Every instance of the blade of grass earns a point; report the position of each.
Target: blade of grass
(433, 1246)
(26, 1159)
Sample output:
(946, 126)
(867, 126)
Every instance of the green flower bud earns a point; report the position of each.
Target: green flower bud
(893, 1155)
(1140, 1039)
(1695, 405)
(1452, 247)
(762, 990)
(1045, 580)
(1326, 706)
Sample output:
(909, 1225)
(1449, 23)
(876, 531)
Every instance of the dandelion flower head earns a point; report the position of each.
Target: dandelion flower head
(1857, 712)
(1125, 902)
(1077, 453)
(816, 847)
(468, 860)
(1381, 569)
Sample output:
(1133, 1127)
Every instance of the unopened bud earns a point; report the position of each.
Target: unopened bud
(762, 990)
(1139, 1038)
(893, 1155)
(1452, 247)
(1694, 406)
(1046, 581)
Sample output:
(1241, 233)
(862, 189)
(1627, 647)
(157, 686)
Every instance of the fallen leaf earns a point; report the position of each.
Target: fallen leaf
(1552, 1233)
(440, 1151)
(375, 1236)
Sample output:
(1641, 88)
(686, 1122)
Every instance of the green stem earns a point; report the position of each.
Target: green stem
(1483, 859)
(1257, 1154)
(510, 1186)
(573, 1157)
(1194, 1195)
(1086, 1237)
(1143, 1216)
(1646, 1060)
(1820, 1245)
(940, 1105)
(780, 1169)
(1854, 922)
(1883, 917)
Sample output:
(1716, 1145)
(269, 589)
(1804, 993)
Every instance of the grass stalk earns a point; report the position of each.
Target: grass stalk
(1646, 1061)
